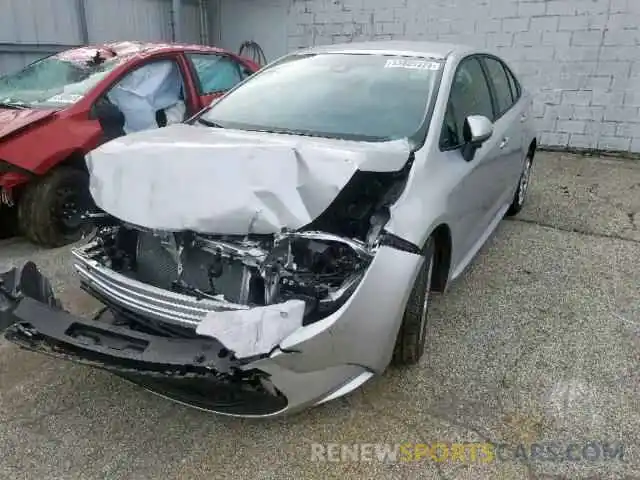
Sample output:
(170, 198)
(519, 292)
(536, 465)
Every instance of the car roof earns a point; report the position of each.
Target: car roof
(434, 50)
(130, 49)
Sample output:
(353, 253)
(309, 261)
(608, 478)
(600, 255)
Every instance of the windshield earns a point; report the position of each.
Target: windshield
(53, 81)
(347, 96)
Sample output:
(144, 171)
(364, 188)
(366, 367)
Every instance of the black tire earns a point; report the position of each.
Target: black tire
(521, 192)
(411, 339)
(43, 217)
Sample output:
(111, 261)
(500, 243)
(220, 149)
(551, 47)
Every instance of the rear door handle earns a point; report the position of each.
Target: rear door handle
(523, 118)
(504, 142)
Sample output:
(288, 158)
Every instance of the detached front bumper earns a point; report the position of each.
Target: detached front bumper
(315, 364)
(187, 370)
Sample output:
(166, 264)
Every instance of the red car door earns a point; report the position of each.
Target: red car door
(191, 101)
(216, 73)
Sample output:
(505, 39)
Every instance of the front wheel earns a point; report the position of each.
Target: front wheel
(50, 211)
(410, 343)
(523, 185)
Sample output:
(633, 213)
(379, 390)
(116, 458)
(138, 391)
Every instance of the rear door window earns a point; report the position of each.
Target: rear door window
(515, 86)
(502, 88)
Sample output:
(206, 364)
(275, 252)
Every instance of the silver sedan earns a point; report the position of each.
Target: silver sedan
(279, 249)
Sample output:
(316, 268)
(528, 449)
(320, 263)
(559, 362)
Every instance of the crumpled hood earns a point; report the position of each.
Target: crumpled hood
(228, 182)
(13, 120)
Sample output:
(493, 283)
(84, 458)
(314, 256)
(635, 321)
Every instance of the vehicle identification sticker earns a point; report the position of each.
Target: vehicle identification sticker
(412, 64)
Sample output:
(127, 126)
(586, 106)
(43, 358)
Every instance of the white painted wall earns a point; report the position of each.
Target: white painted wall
(581, 58)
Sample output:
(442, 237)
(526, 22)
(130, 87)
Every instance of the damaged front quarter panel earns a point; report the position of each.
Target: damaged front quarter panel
(238, 205)
(229, 182)
(264, 264)
(249, 293)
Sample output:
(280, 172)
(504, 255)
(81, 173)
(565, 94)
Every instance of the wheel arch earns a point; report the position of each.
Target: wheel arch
(443, 250)
(75, 160)
(533, 148)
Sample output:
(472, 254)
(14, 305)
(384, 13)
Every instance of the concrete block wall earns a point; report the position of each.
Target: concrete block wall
(581, 58)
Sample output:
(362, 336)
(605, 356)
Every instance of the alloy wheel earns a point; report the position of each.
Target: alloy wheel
(524, 182)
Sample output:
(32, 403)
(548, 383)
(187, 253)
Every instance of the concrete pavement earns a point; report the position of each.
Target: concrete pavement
(538, 342)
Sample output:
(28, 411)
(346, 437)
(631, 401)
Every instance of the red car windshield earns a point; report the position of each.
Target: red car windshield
(347, 96)
(55, 81)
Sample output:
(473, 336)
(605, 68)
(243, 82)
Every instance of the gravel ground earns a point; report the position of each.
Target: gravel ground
(538, 342)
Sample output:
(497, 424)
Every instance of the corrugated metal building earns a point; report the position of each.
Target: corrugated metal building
(31, 29)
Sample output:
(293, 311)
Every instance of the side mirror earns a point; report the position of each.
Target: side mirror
(477, 130)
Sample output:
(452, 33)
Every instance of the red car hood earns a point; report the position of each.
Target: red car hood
(14, 120)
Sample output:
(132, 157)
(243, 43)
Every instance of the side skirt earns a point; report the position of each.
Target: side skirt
(464, 263)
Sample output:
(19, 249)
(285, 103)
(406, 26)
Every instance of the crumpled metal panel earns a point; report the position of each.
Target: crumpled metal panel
(255, 331)
(212, 180)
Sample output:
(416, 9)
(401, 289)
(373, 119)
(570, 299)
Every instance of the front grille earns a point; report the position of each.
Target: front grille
(143, 299)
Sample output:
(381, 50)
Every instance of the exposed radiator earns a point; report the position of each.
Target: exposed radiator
(205, 271)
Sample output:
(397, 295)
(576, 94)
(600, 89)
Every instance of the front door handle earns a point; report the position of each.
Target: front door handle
(504, 142)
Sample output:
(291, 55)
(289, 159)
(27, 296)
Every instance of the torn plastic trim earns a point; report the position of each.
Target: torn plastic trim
(18, 283)
(168, 366)
(116, 345)
(34, 318)
(390, 240)
(250, 333)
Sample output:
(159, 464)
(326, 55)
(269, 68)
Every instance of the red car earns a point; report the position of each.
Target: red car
(56, 110)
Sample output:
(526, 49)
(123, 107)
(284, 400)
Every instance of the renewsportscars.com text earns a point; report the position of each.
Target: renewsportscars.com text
(589, 451)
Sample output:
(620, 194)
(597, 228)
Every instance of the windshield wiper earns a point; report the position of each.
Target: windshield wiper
(314, 134)
(13, 106)
(209, 123)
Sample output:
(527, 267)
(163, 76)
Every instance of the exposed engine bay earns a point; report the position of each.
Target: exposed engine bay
(320, 265)
(315, 267)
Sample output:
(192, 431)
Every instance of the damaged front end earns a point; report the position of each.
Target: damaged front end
(249, 291)
(208, 319)
(192, 284)
(187, 369)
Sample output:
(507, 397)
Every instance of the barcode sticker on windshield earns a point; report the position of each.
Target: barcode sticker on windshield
(412, 64)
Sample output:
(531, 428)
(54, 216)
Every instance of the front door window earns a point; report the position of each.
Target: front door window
(470, 95)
